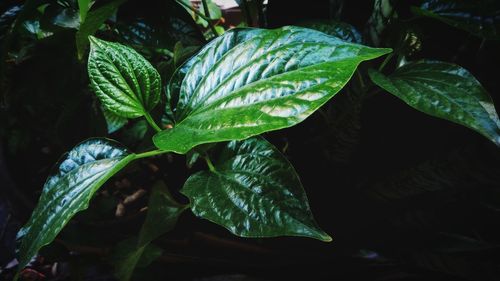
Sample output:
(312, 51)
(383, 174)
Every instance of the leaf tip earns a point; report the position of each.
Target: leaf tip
(325, 237)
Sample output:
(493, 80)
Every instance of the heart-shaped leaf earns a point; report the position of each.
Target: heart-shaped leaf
(446, 91)
(253, 192)
(125, 82)
(249, 81)
(69, 189)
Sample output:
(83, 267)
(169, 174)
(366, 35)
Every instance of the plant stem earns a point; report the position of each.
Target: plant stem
(209, 164)
(194, 10)
(152, 122)
(150, 153)
(387, 59)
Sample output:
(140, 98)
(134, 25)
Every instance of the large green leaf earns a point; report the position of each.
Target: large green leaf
(253, 192)
(480, 18)
(69, 189)
(335, 28)
(125, 82)
(446, 91)
(249, 81)
(162, 215)
(92, 22)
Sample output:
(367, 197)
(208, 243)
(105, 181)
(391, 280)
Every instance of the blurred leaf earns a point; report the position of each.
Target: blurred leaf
(127, 256)
(338, 29)
(480, 18)
(162, 215)
(83, 8)
(92, 23)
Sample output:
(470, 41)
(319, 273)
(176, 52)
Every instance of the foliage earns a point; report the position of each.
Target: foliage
(225, 101)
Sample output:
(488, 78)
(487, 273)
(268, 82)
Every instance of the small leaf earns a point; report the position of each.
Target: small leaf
(83, 7)
(125, 82)
(69, 189)
(127, 256)
(163, 212)
(335, 28)
(253, 192)
(446, 91)
(479, 18)
(162, 215)
(249, 81)
(92, 22)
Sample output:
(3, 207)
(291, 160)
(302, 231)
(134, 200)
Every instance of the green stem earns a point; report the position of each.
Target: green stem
(150, 153)
(209, 164)
(387, 59)
(152, 122)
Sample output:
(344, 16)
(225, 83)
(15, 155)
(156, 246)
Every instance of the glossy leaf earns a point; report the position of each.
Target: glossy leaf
(480, 18)
(92, 22)
(125, 82)
(69, 189)
(253, 192)
(446, 91)
(335, 28)
(249, 81)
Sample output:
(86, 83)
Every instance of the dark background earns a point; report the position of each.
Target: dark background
(405, 196)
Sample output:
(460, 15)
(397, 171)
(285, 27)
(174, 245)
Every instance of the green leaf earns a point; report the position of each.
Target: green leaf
(113, 121)
(479, 18)
(162, 215)
(163, 212)
(249, 81)
(125, 82)
(92, 23)
(69, 189)
(253, 192)
(83, 7)
(446, 91)
(335, 28)
(127, 256)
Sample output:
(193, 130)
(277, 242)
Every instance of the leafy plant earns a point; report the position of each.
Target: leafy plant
(217, 105)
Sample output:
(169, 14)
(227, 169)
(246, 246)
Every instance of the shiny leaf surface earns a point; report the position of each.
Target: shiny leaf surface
(446, 91)
(480, 18)
(338, 29)
(125, 82)
(249, 81)
(253, 192)
(69, 189)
